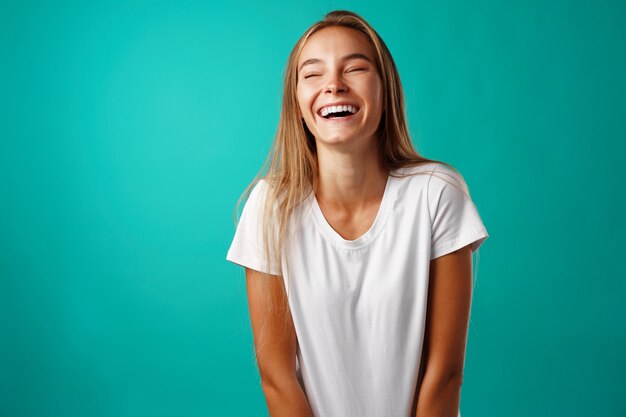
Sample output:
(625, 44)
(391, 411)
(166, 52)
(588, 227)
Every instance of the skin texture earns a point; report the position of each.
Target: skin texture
(275, 346)
(449, 302)
(340, 68)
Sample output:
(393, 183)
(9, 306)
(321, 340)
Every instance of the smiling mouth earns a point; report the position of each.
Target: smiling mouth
(337, 115)
(338, 112)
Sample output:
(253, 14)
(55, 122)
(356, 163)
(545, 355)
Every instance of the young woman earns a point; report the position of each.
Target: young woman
(357, 250)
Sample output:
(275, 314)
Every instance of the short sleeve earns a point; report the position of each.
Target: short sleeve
(246, 248)
(455, 219)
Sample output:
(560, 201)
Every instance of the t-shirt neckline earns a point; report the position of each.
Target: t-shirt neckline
(362, 241)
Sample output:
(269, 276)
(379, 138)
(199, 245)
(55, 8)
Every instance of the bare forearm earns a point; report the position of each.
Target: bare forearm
(287, 400)
(439, 397)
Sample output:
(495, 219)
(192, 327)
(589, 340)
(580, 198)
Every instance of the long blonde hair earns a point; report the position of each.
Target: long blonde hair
(291, 168)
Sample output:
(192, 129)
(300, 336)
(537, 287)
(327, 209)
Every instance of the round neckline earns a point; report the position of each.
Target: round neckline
(379, 221)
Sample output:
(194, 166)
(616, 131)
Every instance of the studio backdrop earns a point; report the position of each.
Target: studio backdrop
(130, 129)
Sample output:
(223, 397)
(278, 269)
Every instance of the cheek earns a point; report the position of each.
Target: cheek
(305, 102)
(378, 94)
(302, 102)
(373, 90)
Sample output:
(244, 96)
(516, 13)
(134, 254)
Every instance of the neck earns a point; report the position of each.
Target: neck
(349, 180)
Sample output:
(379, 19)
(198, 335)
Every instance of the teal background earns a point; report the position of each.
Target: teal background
(129, 130)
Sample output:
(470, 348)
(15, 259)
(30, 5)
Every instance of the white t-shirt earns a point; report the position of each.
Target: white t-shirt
(359, 306)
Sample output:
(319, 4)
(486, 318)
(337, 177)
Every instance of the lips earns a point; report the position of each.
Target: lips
(343, 119)
(338, 113)
(343, 109)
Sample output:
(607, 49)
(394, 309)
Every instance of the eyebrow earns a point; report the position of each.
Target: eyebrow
(355, 55)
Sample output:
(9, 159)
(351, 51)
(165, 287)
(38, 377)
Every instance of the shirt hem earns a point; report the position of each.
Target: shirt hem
(476, 238)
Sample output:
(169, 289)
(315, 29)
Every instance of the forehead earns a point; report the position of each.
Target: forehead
(335, 40)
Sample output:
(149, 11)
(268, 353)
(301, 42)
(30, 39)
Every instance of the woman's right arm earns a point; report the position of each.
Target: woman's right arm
(275, 345)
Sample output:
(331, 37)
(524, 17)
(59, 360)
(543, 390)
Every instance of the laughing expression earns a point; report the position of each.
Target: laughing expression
(339, 89)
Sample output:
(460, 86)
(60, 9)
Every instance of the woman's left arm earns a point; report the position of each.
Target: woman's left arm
(449, 303)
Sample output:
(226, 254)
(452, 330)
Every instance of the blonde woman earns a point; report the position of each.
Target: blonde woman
(357, 250)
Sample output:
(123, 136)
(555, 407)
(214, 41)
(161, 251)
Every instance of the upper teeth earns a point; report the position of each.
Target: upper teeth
(336, 109)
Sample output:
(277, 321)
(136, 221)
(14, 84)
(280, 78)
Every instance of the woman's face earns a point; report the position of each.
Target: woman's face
(339, 89)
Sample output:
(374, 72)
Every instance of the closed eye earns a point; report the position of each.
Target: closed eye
(356, 69)
(310, 75)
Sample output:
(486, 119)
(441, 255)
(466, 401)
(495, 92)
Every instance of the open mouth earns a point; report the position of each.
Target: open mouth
(338, 115)
(338, 112)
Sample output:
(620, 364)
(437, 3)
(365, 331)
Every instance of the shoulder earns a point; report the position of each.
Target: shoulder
(253, 199)
(424, 168)
(259, 190)
(437, 175)
(259, 187)
(445, 176)
(261, 197)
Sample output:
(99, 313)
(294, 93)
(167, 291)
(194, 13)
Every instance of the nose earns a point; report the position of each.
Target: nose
(336, 85)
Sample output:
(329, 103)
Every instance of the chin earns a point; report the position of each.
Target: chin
(336, 139)
(341, 138)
